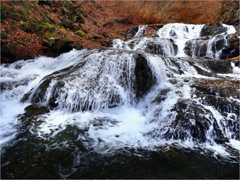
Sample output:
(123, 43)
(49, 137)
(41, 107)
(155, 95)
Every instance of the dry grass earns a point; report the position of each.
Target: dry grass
(174, 11)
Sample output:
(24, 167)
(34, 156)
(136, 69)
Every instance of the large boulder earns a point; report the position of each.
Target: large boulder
(101, 79)
(212, 29)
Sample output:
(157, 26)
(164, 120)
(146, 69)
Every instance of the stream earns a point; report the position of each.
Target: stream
(149, 107)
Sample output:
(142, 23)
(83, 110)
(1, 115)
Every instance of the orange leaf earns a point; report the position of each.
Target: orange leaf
(33, 165)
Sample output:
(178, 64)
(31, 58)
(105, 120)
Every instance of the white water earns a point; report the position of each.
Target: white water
(139, 124)
(141, 31)
(179, 33)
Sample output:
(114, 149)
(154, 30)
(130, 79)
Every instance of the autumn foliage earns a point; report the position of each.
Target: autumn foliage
(196, 12)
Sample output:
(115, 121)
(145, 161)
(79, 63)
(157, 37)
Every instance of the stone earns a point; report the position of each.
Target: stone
(212, 29)
(35, 110)
(132, 32)
(144, 76)
(232, 50)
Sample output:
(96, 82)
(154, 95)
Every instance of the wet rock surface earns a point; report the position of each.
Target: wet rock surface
(232, 49)
(200, 49)
(133, 32)
(144, 76)
(212, 29)
(59, 82)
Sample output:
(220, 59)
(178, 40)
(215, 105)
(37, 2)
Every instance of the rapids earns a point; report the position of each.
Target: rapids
(141, 109)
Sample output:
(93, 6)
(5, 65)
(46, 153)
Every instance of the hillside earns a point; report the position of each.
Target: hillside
(33, 28)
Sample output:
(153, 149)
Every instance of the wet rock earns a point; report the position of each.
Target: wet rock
(144, 76)
(9, 85)
(197, 47)
(35, 110)
(55, 90)
(194, 121)
(39, 94)
(55, 93)
(107, 43)
(133, 31)
(233, 124)
(218, 134)
(212, 29)
(232, 49)
(200, 47)
(153, 45)
(219, 66)
(218, 87)
(31, 117)
(223, 105)
(190, 118)
(220, 43)
(156, 48)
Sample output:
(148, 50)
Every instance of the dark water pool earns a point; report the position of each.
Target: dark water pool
(28, 156)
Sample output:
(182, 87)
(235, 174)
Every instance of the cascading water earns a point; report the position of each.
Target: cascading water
(126, 109)
(181, 40)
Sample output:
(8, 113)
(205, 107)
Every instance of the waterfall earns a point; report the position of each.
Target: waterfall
(179, 40)
(144, 93)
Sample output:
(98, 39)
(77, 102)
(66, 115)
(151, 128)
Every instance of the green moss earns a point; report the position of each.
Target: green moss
(78, 47)
(4, 35)
(49, 37)
(81, 34)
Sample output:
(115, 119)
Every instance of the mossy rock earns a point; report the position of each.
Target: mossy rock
(49, 38)
(81, 34)
(55, 47)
